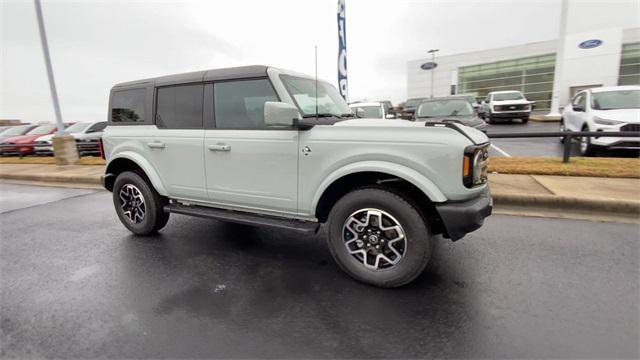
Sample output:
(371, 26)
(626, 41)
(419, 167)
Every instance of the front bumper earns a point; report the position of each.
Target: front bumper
(462, 217)
(511, 114)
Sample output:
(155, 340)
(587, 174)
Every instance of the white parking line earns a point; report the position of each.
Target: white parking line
(504, 153)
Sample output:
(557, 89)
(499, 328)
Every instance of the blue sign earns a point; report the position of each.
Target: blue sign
(429, 66)
(342, 51)
(590, 44)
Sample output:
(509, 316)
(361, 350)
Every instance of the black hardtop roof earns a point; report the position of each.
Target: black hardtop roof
(203, 75)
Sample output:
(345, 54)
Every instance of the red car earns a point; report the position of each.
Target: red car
(23, 143)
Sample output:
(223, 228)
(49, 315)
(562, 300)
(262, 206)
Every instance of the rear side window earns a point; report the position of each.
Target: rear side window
(179, 107)
(240, 104)
(127, 106)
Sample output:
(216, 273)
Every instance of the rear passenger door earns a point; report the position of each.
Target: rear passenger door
(249, 165)
(175, 145)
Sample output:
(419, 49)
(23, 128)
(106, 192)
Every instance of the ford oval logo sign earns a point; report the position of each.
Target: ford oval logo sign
(590, 44)
(428, 66)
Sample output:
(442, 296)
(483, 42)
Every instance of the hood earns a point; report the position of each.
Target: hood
(511, 102)
(477, 137)
(626, 115)
(22, 139)
(46, 137)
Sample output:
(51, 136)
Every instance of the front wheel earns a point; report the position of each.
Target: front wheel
(586, 148)
(525, 120)
(138, 205)
(379, 238)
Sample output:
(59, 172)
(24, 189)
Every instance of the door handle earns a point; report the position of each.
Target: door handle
(220, 147)
(156, 145)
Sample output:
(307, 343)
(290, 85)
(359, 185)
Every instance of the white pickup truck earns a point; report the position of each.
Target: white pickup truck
(264, 146)
(505, 105)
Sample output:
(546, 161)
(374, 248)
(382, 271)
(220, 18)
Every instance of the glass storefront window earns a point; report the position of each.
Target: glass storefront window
(531, 75)
(630, 65)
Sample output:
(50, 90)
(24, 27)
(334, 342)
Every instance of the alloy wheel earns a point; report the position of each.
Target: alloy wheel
(375, 238)
(132, 203)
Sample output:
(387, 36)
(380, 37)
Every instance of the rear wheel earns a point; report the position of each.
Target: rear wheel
(379, 238)
(138, 205)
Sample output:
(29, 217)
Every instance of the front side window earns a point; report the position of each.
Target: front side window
(613, 100)
(128, 106)
(240, 104)
(97, 127)
(179, 107)
(327, 100)
(508, 96)
(370, 112)
(17, 130)
(441, 108)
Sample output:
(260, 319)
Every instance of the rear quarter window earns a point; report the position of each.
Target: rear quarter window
(128, 106)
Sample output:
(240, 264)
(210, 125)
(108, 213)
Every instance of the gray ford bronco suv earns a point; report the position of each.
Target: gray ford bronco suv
(264, 146)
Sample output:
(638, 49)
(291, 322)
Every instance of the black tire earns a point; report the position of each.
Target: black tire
(489, 119)
(525, 120)
(417, 237)
(154, 218)
(586, 148)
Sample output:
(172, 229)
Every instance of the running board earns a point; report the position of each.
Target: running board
(243, 217)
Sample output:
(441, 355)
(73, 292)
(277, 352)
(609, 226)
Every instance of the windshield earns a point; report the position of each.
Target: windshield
(303, 92)
(612, 100)
(78, 127)
(411, 103)
(370, 112)
(42, 130)
(445, 108)
(508, 96)
(17, 130)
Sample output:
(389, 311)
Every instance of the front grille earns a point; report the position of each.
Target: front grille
(630, 127)
(511, 107)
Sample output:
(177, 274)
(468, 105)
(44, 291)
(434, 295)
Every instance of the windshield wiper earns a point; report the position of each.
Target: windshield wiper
(322, 115)
(348, 115)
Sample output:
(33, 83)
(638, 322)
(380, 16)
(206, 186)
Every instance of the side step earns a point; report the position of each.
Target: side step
(243, 217)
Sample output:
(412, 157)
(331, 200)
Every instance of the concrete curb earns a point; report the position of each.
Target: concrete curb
(74, 179)
(544, 118)
(568, 203)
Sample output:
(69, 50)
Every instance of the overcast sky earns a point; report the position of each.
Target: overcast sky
(95, 44)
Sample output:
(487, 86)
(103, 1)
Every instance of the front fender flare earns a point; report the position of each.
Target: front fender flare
(146, 166)
(418, 180)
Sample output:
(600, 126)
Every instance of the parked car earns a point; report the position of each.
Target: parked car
(23, 144)
(605, 109)
(388, 107)
(505, 105)
(371, 110)
(410, 108)
(456, 109)
(382, 187)
(85, 133)
(16, 131)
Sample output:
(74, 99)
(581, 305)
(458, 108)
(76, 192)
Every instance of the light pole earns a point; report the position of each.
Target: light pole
(558, 72)
(433, 66)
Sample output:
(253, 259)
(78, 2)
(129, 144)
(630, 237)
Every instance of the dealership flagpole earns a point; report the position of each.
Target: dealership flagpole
(557, 76)
(47, 61)
(342, 51)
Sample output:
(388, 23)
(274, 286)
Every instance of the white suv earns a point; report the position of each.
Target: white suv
(615, 108)
(505, 105)
(264, 146)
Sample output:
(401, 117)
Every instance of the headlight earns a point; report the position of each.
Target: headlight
(474, 165)
(601, 121)
(497, 108)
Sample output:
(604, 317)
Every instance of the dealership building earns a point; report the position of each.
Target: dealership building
(606, 57)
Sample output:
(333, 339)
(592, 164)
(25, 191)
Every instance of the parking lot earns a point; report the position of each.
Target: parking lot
(75, 283)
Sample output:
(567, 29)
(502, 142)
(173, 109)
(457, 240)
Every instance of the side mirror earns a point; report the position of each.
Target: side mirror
(390, 116)
(280, 114)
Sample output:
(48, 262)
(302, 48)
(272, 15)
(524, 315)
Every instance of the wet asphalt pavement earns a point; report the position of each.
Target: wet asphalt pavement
(75, 284)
